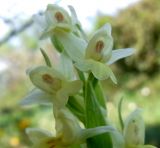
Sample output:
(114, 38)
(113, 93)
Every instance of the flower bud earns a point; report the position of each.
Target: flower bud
(134, 129)
(57, 17)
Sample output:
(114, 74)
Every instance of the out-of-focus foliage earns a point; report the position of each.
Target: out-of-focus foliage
(138, 26)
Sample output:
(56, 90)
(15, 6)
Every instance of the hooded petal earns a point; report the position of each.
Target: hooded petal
(46, 78)
(134, 129)
(100, 46)
(56, 18)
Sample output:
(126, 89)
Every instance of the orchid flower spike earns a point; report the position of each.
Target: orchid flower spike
(69, 133)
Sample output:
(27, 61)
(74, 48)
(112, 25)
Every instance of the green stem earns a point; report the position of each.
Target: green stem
(95, 117)
(99, 92)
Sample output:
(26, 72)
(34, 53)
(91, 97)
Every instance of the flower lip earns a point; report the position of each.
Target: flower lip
(59, 16)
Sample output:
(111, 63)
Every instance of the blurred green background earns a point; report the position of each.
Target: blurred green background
(136, 26)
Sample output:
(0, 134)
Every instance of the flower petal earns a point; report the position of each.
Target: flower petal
(46, 78)
(91, 132)
(73, 45)
(58, 17)
(37, 96)
(102, 71)
(84, 65)
(119, 54)
(68, 89)
(117, 139)
(66, 67)
(70, 128)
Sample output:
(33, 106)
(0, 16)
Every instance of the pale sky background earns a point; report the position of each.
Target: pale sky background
(86, 9)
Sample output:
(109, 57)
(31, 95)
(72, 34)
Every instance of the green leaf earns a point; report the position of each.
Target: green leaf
(46, 58)
(37, 96)
(120, 113)
(119, 54)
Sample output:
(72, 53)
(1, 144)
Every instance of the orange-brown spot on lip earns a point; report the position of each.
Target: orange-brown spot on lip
(59, 16)
(99, 46)
(47, 78)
